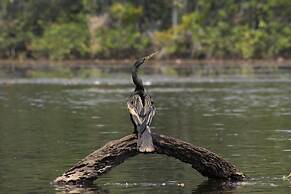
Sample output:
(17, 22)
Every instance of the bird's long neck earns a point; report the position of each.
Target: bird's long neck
(136, 80)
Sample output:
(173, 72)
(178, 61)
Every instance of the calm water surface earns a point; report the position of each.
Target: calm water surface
(46, 128)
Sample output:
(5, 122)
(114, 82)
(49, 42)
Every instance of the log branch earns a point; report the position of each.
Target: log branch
(115, 152)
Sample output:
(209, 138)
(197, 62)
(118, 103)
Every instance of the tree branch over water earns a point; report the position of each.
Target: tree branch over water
(115, 152)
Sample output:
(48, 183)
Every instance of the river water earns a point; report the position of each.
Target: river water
(47, 125)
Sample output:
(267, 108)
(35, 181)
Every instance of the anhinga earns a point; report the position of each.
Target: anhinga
(141, 109)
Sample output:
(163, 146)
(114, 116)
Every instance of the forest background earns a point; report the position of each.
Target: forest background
(108, 29)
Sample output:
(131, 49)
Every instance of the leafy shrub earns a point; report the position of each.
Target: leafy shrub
(121, 37)
(123, 41)
(206, 29)
(125, 12)
(61, 41)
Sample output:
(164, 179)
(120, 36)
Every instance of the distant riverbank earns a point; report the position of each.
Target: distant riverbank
(91, 69)
(117, 62)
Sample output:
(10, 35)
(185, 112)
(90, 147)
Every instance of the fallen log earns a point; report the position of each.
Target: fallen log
(115, 152)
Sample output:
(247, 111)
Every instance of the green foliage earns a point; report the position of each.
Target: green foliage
(122, 41)
(12, 39)
(126, 13)
(122, 36)
(223, 32)
(62, 29)
(61, 41)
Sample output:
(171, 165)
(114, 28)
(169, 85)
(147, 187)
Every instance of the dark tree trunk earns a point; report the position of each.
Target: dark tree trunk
(115, 152)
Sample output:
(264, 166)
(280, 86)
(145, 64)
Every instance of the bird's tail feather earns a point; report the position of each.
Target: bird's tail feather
(145, 141)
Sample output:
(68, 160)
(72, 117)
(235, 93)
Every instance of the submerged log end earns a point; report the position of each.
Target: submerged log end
(115, 152)
(99, 162)
(204, 161)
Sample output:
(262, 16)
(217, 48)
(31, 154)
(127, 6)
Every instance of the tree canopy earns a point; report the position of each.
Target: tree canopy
(89, 29)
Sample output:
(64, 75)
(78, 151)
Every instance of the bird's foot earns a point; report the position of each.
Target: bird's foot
(146, 149)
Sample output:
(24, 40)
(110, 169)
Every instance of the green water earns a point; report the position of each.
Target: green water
(46, 127)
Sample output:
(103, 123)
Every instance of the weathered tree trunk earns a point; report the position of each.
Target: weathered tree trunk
(115, 152)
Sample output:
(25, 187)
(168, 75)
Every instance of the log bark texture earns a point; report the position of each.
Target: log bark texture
(115, 152)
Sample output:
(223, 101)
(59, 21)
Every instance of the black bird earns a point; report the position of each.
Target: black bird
(141, 109)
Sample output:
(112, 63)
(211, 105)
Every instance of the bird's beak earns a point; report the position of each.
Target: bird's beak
(151, 55)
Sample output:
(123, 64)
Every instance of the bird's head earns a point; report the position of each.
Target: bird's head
(140, 61)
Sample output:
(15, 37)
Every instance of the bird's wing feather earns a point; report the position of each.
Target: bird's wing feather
(135, 108)
(134, 113)
(142, 115)
(151, 116)
(149, 108)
